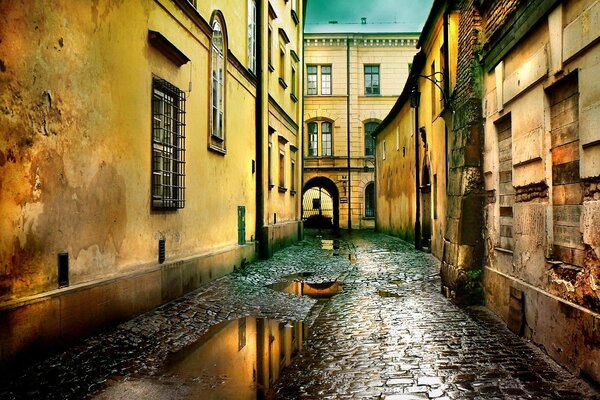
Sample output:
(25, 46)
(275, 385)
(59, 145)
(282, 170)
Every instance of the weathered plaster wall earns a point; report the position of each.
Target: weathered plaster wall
(75, 153)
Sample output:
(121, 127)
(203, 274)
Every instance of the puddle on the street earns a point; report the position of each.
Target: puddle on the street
(238, 359)
(295, 285)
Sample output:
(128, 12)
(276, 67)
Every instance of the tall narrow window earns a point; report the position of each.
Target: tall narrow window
(370, 200)
(567, 197)
(168, 145)
(293, 171)
(506, 189)
(252, 35)
(281, 165)
(326, 79)
(217, 82)
(270, 48)
(371, 79)
(270, 158)
(294, 84)
(369, 141)
(326, 139)
(295, 12)
(313, 139)
(312, 80)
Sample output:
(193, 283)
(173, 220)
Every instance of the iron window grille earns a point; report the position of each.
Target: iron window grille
(168, 145)
(371, 79)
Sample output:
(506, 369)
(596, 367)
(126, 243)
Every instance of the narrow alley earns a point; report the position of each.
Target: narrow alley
(377, 328)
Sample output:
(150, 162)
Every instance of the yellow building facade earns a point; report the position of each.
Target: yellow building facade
(352, 79)
(412, 144)
(134, 155)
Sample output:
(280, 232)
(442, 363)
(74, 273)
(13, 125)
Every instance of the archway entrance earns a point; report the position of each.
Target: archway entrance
(320, 204)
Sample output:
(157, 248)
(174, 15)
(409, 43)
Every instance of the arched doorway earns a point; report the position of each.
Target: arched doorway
(320, 204)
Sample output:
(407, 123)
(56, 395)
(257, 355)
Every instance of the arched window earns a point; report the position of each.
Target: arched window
(313, 139)
(218, 46)
(326, 139)
(370, 200)
(369, 141)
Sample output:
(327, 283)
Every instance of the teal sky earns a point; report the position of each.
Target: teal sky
(382, 15)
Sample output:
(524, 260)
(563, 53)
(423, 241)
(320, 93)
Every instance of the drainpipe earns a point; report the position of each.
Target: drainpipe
(417, 181)
(301, 92)
(349, 194)
(446, 84)
(260, 196)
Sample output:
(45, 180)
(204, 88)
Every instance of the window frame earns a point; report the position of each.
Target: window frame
(252, 35)
(310, 92)
(323, 75)
(326, 150)
(312, 135)
(369, 89)
(167, 185)
(370, 208)
(218, 63)
(368, 138)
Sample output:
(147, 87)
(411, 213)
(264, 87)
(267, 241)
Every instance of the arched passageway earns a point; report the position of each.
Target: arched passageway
(320, 204)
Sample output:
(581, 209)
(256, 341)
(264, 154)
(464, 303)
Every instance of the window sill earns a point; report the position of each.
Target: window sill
(293, 192)
(271, 186)
(293, 97)
(217, 149)
(501, 250)
(373, 94)
(271, 67)
(282, 189)
(295, 17)
(282, 83)
(369, 218)
(217, 138)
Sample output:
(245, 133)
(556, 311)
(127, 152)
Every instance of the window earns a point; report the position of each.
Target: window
(270, 48)
(326, 138)
(369, 141)
(281, 165)
(270, 157)
(252, 36)
(370, 200)
(294, 12)
(312, 80)
(371, 79)
(293, 79)
(326, 79)
(312, 139)
(506, 189)
(217, 84)
(282, 66)
(435, 213)
(293, 171)
(383, 150)
(168, 145)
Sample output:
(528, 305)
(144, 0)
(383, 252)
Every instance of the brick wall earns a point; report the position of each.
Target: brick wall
(468, 32)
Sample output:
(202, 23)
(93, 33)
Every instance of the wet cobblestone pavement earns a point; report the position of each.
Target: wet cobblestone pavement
(389, 334)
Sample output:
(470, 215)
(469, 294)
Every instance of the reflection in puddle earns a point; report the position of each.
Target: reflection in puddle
(299, 287)
(238, 359)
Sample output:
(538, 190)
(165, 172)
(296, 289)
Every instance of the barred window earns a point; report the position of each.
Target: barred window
(168, 145)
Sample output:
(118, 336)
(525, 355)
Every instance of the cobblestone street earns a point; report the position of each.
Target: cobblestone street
(389, 334)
